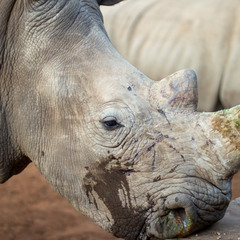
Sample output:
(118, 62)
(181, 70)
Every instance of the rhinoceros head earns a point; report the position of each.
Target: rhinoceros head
(156, 167)
(130, 153)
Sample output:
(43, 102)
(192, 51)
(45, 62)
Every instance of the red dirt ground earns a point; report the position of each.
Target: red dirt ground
(31, 210)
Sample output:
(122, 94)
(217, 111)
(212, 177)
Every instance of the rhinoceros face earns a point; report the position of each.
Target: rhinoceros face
(130, 153)
(156, 168)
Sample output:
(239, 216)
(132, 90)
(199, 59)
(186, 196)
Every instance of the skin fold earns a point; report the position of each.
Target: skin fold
(130, 153)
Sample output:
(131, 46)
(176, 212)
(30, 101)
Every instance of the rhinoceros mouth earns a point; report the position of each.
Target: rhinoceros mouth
(184, 215)
(177, 223)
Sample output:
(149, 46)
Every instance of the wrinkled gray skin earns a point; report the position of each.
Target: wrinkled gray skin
(130, 153)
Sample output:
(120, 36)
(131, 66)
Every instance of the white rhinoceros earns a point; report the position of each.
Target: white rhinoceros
(129, 152)
(162, 36)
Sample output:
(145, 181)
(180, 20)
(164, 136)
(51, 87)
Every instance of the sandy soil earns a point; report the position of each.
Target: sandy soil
(31, 210)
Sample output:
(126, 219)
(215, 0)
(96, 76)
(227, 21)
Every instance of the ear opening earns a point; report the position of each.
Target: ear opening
(108, 2)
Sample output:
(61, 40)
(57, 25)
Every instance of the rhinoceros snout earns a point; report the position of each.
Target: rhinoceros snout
(179, 220)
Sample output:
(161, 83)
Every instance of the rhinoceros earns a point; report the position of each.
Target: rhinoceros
(131, 153)
(160, 37)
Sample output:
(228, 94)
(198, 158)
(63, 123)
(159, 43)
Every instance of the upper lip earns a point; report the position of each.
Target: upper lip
(191, 218)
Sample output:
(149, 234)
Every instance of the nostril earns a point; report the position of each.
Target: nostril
(178, 220)
(177, 223)
(179, 216)
(182, 223)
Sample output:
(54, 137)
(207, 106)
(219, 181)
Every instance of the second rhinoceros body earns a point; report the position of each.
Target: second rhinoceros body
(129, 152)
(162, 36)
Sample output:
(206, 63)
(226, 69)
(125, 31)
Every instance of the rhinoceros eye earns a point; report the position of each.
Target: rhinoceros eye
(110, 123)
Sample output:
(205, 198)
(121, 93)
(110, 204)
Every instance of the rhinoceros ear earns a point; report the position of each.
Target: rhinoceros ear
(177, 92)
(108, 2)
